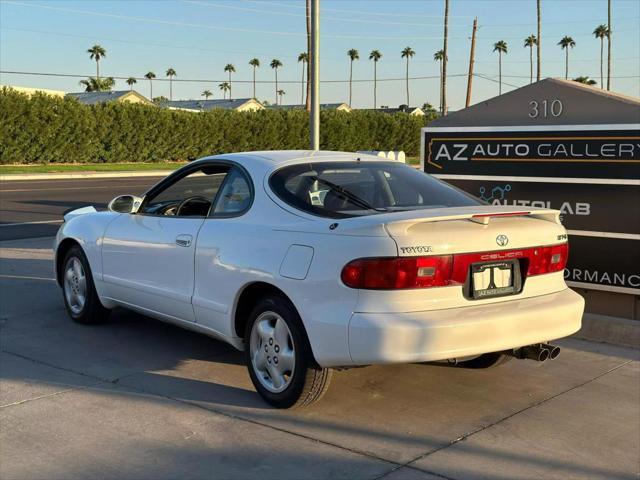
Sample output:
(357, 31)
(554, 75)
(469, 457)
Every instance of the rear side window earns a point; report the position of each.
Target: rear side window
(347, 189)
(235, 196)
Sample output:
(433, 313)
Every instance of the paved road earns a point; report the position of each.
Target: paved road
(138, 399)
(34, 208)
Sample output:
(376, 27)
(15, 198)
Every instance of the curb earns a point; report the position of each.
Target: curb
(67, 176)
(614, 330)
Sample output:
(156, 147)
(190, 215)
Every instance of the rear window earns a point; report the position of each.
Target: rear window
(348, 189)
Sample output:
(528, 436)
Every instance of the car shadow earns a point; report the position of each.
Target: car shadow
(424, 408)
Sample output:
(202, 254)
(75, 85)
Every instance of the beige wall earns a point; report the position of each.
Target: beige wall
(132, 99)
(250, 106)
(30, 91)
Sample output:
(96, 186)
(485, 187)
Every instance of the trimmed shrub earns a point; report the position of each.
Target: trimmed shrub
(46, 129)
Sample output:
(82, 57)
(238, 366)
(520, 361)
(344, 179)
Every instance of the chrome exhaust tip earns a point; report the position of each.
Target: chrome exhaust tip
(532, 352)
(554, 350)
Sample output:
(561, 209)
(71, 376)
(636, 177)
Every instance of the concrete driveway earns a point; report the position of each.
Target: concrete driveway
(138, 399)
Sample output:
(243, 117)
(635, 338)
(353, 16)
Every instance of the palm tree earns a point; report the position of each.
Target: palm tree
(585, 80)
(439, 57)
(95, 84)
(229, 68)
(375, 55)
(601, 32)
(275, 64)
(206, 94)
(530, 41)
(96, 53)
(280, 94)
(308, 15)
(225, 87)
(566, 43)
(500, 47)
(538, 40)
(407, 53)
(609, 35)
(130, 81)
(150, 76)
(255, 63)
(353, 54)
(171, 73)
(445, 57)
(304, 58)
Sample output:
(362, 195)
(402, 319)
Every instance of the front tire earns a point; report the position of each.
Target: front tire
(78, 290)
(279, 357)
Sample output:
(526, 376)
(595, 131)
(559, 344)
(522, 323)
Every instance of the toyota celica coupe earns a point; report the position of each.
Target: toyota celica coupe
(312, 261)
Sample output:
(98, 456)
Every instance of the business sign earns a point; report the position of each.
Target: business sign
(583, 206)
(567, 151)
(590, 173)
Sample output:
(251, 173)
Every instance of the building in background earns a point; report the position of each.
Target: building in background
(401, 109)
(30, 90)
(340, 107)
(92, 98)
(238, 104)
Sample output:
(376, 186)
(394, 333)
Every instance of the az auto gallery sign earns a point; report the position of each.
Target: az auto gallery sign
(591, 173)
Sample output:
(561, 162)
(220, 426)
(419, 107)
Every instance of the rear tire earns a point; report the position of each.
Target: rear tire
(78, 290)
(487, 360)
(279, 358)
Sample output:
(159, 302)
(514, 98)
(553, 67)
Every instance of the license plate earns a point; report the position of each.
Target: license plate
(493, 279)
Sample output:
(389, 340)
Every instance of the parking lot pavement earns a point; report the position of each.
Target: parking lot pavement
(135, 398)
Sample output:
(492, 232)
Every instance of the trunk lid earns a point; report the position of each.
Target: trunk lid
(474, 236)
(475, 229)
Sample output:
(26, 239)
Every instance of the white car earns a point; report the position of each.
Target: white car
(310, 261)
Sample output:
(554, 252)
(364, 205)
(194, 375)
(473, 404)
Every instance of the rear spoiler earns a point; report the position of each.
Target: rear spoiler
(549, 215)
(482, 215)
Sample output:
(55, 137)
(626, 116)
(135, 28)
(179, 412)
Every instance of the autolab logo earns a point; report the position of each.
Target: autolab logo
(498, 196)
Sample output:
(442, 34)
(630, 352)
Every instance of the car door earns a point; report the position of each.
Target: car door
(223, 251)
(148, 256)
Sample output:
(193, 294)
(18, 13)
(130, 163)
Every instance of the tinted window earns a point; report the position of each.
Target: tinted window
(189, 196)
(235, 196)
(344, 189)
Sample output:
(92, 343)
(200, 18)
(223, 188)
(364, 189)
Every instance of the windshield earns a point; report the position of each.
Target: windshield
(347, 189)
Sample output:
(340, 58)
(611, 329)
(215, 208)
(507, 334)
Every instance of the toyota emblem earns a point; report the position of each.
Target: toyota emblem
(502, 240)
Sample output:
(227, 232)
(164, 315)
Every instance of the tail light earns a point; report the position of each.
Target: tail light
(398, 272)
(389, 273)
(548, 259)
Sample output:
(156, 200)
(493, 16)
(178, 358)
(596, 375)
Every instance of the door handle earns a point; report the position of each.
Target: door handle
(184, 240)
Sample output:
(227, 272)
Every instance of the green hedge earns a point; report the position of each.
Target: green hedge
(46, 129)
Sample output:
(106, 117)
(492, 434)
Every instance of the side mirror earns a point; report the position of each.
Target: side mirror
(125, 204)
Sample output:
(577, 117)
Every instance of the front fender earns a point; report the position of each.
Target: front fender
(87, 230)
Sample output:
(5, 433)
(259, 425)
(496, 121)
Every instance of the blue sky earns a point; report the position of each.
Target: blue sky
(198, 37)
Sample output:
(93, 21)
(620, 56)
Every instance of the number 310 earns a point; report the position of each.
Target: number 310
(545, 108)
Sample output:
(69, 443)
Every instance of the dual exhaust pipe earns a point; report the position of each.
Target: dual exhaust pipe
(539, 352)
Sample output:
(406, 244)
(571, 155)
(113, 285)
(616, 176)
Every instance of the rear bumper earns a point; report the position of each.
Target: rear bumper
(458, 332)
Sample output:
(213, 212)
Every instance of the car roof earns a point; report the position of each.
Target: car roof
(273, 158)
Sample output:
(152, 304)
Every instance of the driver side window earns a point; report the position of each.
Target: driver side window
(189, 196)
